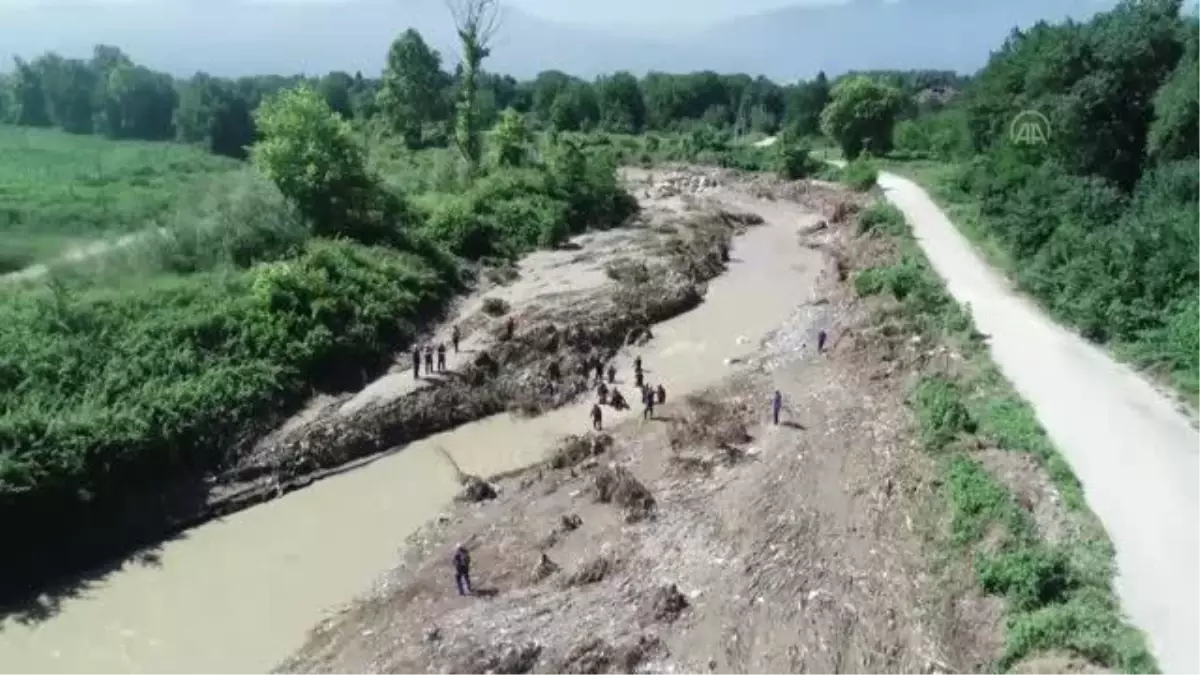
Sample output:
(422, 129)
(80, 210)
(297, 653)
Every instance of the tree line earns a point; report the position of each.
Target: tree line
(415, 96)
(1100, 219)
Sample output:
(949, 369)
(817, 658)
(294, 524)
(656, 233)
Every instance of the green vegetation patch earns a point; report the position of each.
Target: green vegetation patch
(57, 188)
(1058, 595)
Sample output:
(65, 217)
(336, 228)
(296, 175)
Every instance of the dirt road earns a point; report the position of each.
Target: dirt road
(1134, 453)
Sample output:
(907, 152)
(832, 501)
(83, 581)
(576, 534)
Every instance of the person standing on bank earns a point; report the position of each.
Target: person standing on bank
(455, 336)
(428, 359)
(776, 405)
(416, 362)
(597, 417)
(462, 570)
(821, 337)
(441, 356)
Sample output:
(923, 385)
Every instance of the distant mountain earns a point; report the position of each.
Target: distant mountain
(239, 37)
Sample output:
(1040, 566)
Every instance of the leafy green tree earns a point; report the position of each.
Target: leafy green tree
(1175, 131)
(336, 88)
(622, 109)
(28, 96)
(860, 115)
(511, 139)
(575, 108)
(803, 106)
(212, 112)
(312, 157)
(408, 93)
(136, 102)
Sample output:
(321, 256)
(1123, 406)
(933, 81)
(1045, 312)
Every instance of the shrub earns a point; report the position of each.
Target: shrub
(881, 217)
(860, 174)
(794, 161)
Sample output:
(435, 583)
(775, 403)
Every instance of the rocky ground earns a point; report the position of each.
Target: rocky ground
(706, 539)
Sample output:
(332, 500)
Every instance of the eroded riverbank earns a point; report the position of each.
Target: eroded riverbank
(238, 594)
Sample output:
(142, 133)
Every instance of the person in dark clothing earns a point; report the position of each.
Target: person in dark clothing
(416, 362)
(662, 394)
(602, 391)
(637, 364)
(599, 371)
(616, 400)
(776, 405)
(428, 360)
(597, 416)
(455, 336)
(441, 356)
(821, 337)
(462, 570)
(510, 328)
(612, 373)
(647, 403)
(638, 379)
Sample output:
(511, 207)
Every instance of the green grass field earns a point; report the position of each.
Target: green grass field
(58, 190)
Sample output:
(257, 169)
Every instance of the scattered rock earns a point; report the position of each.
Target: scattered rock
(571, 522)
(575, 449)
(616, 485)
(591, 571)
(476, 489)
(545, 567)
(505, 658)
(664, 605)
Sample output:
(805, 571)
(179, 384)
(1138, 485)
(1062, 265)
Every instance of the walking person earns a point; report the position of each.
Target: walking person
(441, 357)
(455, 336)
(612, 374)
(462, 570)
(428, 359)
(638, 379)
(776, 405)
(661, 393)
(647, 403)
(821, 336)
(416, 356)
(637, 364)
(602, 392)
(597, 417)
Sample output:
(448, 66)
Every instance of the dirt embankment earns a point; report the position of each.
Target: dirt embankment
(708, 539)
(580, 304)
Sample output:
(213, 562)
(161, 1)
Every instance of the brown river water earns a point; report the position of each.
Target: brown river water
(240, 593)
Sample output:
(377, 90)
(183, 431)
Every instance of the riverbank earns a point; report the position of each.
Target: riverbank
(286, 561)
(908, 515)
(728, 544)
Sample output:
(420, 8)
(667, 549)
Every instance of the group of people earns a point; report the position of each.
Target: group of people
(430, 351)
(608, 394)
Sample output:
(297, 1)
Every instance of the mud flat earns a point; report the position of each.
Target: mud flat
(237, 593)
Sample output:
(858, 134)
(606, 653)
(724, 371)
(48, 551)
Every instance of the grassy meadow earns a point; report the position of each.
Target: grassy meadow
(59, 191)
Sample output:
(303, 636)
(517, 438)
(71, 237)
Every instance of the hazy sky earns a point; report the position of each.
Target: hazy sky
(633, 12)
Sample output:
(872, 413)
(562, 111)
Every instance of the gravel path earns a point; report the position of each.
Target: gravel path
(1135, 454)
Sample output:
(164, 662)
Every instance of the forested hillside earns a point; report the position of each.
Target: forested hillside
(1099, 222)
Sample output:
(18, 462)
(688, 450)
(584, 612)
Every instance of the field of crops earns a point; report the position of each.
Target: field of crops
(59, 190)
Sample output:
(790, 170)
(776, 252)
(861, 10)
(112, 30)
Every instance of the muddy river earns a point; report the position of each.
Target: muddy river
(239, 594)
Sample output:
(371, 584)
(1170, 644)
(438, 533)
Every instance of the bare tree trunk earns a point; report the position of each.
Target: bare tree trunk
(476, 22)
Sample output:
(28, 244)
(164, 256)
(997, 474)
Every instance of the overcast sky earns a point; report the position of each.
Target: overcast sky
(690, 12)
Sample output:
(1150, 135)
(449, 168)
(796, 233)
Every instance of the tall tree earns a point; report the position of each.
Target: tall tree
(29, 96)
(861, 114)
(408, 96)
(622, 108)
(477, 22)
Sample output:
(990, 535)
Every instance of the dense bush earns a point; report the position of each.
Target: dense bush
(860, 174)
(794, 160)
(105, 392)
(1099, 223)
